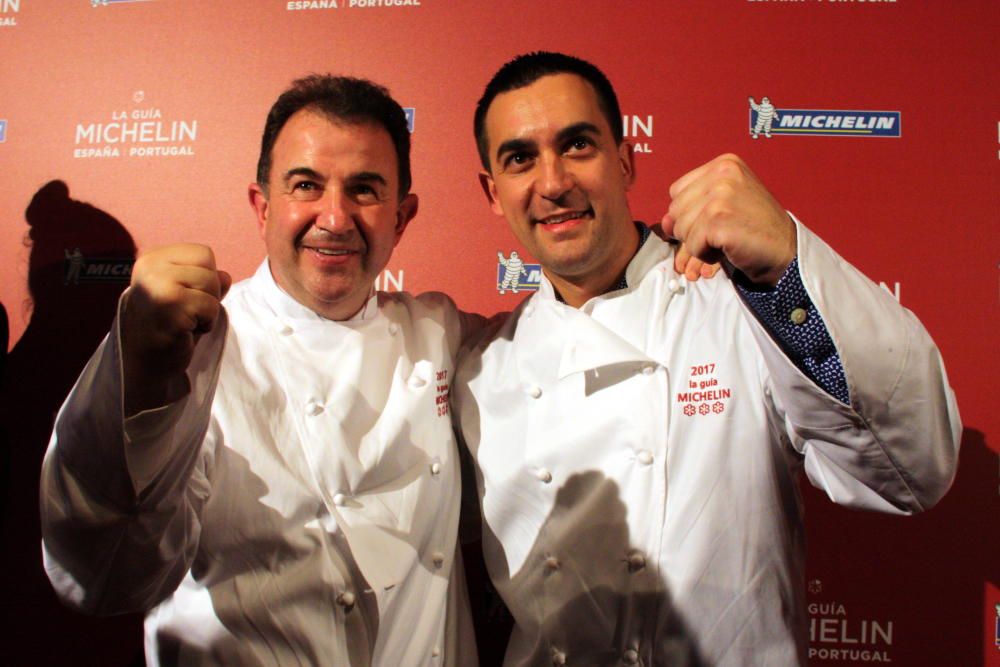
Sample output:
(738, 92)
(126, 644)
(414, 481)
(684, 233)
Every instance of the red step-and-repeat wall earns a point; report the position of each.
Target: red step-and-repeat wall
(125, 124)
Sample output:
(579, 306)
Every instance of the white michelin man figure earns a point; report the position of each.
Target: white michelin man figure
(513, 268)
(75, 260)
(766, 113)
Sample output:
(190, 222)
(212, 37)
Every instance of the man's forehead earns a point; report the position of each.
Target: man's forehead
(551, 102)
(311, 133)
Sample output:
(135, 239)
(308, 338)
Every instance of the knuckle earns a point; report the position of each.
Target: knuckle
(728, 166)
(716, 210)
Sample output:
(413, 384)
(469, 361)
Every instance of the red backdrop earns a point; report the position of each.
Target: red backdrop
(190, 82)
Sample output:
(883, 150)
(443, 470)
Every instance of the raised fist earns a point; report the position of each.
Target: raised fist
(173, 299)
(721, 211)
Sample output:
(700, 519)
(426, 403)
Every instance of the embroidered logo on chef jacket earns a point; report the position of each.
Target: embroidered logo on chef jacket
(442, 389)
(702, 394)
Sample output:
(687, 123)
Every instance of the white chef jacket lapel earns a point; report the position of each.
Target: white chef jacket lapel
(596, 337)
(327, 372)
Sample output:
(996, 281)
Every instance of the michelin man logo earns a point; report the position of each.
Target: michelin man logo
(74, 262)
(515, 275)
(766, 114)
(513, 270)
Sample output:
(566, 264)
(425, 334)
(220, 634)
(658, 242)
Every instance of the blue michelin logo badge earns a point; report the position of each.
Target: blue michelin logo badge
(514, 275)
(769, 120)
(3, 130)
(410, 115)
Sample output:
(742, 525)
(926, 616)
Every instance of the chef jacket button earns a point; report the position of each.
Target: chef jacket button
(534, 391)
(393, 328)
(551, 563)
(313, 408)
(346, 600)
(674, 285)
(558, 657)
(631, 657)
(636, 561)
(286, 330)
(436, 468)
(648, 370)
(416, 382)
(797, 316)
(543, 475)
(644, 456)
(438, 559)
(435, 652)
(339, 499)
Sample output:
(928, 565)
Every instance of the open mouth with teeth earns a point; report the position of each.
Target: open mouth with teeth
(565, 220)
(331, 256)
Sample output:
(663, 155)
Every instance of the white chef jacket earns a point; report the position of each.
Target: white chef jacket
(299, 506)
(637, 459)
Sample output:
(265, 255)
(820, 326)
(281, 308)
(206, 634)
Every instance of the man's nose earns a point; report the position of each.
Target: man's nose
(335, 213)
(554, 180)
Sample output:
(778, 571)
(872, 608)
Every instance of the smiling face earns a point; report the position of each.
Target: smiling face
(331, 214)
(560, 179)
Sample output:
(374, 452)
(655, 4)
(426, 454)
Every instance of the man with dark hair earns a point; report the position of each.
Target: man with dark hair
(270, 477)
(638, 437)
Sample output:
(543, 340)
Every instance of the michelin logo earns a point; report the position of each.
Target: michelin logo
(515, 275)
(768, 120)
(79, 269)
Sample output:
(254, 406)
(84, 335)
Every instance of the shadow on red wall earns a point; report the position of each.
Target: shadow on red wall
(79, 263)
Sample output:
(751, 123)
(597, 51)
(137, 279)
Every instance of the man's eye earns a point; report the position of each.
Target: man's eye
(365, 191)
(304, 186)
(579, 144)
(517, 160)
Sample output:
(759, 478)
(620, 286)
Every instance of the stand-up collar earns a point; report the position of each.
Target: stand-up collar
(285, 306)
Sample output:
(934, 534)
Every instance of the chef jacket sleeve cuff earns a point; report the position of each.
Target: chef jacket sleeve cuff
(795, 323)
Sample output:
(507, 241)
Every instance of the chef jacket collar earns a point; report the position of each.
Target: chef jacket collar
(286, 307)
(652, 250)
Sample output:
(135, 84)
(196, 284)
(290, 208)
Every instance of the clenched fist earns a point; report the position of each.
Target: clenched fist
(173, 299)
(721, 211)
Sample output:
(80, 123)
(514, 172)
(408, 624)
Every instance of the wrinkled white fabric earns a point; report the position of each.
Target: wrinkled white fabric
(298, 506)
(637, 459)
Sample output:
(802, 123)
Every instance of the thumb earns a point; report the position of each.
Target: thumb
(667, 224)
(225, 282)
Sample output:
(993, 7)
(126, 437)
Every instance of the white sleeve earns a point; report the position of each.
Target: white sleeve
(121, 499)
(895, 447)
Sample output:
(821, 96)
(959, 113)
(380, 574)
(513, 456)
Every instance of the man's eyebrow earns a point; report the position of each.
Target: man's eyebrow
(576, 129)
(514, 146)
(368, 177)
(302, 171)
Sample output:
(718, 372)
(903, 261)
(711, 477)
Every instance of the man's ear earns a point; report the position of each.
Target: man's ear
(405, 213)
(259, 203)
(626, 157)
(490, 190)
